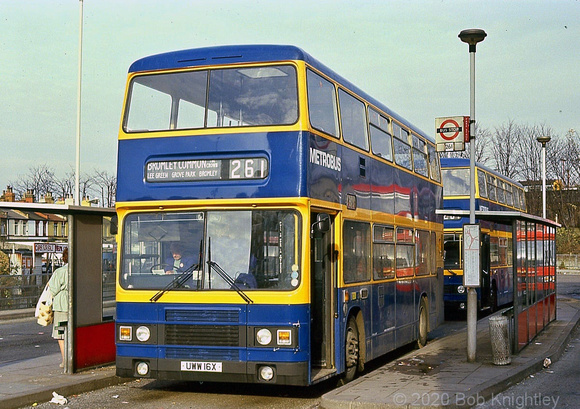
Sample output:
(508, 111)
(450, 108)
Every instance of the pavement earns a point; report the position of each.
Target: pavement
(437, 375)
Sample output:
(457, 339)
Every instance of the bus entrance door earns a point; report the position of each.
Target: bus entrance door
(321, 267)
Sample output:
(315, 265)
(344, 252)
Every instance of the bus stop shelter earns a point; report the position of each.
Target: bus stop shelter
(90, 330)
(534, 271)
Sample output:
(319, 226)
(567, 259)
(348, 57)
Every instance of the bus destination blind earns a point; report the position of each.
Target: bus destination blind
(205, 170)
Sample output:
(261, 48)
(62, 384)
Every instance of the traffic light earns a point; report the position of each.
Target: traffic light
(557, 185)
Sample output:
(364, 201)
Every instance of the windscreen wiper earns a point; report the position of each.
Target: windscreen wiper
(225, 276)
(179, 280)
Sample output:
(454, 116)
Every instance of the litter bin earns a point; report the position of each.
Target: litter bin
(500, 340)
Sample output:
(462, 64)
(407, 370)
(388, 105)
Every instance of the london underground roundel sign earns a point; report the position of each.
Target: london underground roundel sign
(451, 133)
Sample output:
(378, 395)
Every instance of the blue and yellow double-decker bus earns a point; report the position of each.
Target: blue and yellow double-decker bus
(495, 194)
(276, 223)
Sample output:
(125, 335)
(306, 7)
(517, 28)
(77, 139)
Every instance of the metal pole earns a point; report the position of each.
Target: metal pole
(472, 37)
(471, 291)
(78, 136)
(544, 180)
(544, 140)
(472, 133)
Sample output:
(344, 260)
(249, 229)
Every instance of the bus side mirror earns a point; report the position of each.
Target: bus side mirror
(114, 229)
(322, 223)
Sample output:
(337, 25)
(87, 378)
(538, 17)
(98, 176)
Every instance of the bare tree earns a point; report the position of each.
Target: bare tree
(563, 160)
(567, 170)
(65, 185)
(504, 146)
(529, 153)
(482, 139)
(86, 184)
(39, 180)
(106, 185)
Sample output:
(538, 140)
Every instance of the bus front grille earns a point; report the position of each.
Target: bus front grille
(202, 335)
(203, 315)
(205, 354)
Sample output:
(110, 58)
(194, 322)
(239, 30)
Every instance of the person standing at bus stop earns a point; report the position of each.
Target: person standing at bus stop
(58, 285)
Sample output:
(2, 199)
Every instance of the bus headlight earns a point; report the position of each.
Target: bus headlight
(266, 373)
(143, 334)
(461, 289)
(142, 368)
(264, 336)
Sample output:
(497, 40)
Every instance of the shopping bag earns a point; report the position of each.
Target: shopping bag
(44, 311)
(45, 314)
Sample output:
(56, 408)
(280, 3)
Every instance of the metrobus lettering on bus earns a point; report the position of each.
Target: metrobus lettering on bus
(277, 224)
(324, 159)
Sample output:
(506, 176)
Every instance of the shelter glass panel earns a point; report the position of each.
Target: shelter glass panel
(522, 254)
(531, 268)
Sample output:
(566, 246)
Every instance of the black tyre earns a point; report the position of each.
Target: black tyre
(351, 350)
(423, 324)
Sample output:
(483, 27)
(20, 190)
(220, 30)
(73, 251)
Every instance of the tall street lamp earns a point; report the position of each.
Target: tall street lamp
(472, 37)
(77, 195)
(543, 140)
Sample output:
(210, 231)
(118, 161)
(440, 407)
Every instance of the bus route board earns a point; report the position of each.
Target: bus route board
(471, 246)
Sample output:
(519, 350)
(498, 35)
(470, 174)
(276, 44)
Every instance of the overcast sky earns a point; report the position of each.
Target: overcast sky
(405, 53)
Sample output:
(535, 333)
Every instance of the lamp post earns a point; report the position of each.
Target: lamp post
(543, 140)
(472, 37)
(77, 198)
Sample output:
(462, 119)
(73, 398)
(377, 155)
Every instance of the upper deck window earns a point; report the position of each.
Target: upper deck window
(322, 106)
(381, 139)
(402, 147)
(500, 192)
(353, 120)
(509, 199)
(251, 96)
(455, 182)
(491, 188)
(522, 197)
(434, 169)
(481, 183)
(420, 156)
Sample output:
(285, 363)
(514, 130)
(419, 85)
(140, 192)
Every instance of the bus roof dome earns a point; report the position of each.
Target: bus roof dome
(219, 54)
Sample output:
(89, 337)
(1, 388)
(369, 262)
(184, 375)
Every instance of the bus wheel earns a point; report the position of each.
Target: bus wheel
(423, 324)
(351, 349)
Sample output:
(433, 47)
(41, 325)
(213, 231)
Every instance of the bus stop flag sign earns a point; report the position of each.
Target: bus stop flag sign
(451, 133)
